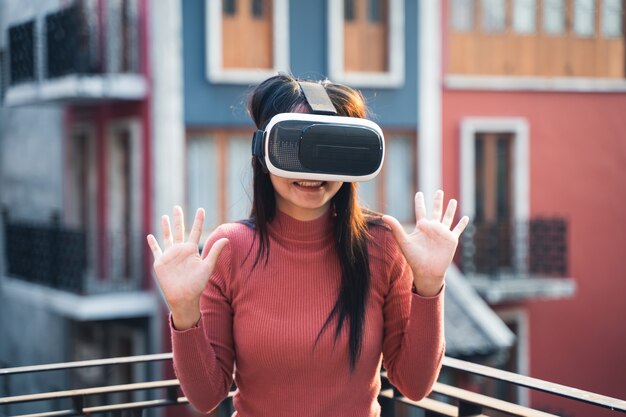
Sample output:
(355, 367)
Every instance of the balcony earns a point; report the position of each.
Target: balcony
(76, 273)
(444, 400)
(81, 53)
(517, 261)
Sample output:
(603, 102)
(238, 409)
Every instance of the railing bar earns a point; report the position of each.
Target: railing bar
(488, 402)
(117, 407)
(89, 391)
(62, 413)
(85, 364)
(537, 384)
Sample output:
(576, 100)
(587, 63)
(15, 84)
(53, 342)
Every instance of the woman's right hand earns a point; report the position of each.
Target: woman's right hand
(181, 272)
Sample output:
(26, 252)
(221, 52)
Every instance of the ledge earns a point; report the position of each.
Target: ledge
(73, 88)
(520, 288)
(82, 307)
(548, 84)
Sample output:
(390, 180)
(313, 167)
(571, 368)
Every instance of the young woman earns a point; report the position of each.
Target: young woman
(304, 301)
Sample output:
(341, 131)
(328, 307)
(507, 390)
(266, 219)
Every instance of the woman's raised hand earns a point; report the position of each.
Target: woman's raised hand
(181, 272)
(430, 248)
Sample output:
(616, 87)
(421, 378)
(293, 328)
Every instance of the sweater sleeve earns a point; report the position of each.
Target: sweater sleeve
(204, 355)
(413, 344)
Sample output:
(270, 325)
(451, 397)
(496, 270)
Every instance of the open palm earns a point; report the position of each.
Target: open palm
(429, 249)
(181, 272)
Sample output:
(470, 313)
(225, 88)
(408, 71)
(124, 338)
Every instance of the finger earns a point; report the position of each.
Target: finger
(214, 253)
(154, 247)
(437, 206)
(396, 228)
(448, 217)
(166, 230)
(461, 225)
(420, 206)
(179, 225)
(196, 228)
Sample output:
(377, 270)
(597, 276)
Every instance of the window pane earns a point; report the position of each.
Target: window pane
(399, 182)
(238, 179)
(524, 12)
(462, 15)
(374, 10)
(493, 15)
(367, 194)
(554, 17)
(202, 188)
(348, 10)
(229, 7)
(612, 11)
(257, 8)
(584, 17)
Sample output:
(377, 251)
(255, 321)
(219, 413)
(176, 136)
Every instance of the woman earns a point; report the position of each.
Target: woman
(304, 301)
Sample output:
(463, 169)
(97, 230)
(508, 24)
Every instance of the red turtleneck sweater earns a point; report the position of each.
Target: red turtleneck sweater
(262, 323)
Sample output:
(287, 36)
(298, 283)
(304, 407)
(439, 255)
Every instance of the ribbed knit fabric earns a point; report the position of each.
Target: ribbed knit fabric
(261, 323)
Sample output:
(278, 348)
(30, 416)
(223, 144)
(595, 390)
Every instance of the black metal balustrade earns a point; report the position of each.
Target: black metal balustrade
(537, 247)
(76, 40)
(69, 259)
(445, 400)
(22, 52)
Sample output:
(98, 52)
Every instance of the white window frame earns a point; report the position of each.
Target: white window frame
(394, 77)
(216, 73)
(518, 127)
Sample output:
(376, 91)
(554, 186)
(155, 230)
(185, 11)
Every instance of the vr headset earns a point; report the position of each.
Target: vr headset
(320, 146)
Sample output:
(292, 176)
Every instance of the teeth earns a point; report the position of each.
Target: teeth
(309, 183)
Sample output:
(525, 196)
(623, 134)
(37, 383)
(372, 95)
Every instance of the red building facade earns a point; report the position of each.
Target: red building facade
(532, 136)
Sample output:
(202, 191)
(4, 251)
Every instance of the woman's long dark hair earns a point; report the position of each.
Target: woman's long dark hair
(282, 94)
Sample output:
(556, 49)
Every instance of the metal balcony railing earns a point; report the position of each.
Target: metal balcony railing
(71, 259)
(82, 39)
(537, 247)
(445, 400)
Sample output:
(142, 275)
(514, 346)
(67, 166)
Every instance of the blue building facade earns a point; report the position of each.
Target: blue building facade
(373, 47)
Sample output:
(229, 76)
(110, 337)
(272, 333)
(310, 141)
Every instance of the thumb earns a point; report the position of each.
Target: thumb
(214, 253)
(396, 228)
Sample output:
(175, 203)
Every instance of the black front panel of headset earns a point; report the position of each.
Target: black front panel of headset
(300, 146)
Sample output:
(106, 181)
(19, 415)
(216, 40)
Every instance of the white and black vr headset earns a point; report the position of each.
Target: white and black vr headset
(320, 146)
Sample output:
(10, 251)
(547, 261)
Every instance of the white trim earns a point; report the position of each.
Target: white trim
(394, 78)
(556, 84)
(215, 71)
(521, 164)
(429, 104)
(520, 318)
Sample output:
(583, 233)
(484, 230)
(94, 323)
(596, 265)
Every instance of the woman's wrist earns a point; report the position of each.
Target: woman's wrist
(185, 318)
(427, 287)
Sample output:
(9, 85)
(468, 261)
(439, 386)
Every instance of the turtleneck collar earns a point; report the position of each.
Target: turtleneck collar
(291, 228)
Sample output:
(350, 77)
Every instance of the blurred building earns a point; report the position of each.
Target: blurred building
(77, 176)
(532, 135)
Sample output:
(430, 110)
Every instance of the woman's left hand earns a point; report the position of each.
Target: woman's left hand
(430, 248)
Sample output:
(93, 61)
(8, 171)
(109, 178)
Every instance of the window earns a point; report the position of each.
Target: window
(247, 40)
(393, 189)
(554, 17)
(584, 15)
(366, 42)
(612, 18)
(219, 176)
(238, 179)
(202, 187)
(493, 14)
(462, 15)
(524, 12)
